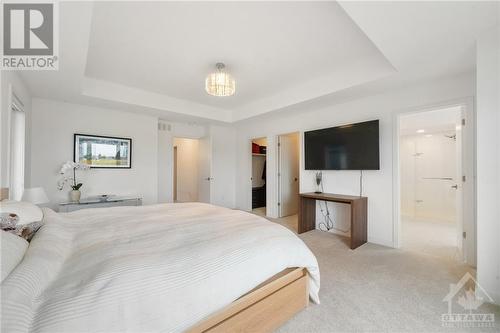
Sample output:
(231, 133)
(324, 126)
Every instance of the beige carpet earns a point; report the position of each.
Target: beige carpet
(434, 238)
(378, 289)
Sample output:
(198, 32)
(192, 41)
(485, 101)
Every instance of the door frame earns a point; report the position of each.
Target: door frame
(278, 169)
(468, 169)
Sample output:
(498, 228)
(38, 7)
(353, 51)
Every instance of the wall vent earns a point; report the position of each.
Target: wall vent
(164, 126)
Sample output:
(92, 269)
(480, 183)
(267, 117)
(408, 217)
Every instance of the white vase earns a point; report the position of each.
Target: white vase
(75, 195)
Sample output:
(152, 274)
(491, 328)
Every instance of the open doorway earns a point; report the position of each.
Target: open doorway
(259, 161)
(430, 160)
(185, 182)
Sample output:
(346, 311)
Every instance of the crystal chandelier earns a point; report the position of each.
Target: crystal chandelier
(220, 83)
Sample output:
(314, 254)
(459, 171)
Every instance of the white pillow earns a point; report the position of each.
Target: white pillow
(26, 211)
(13, 250)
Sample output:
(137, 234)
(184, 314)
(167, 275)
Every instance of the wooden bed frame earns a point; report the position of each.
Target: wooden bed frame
(263, 309)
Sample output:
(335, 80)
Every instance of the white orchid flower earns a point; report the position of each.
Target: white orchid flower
(66, 167)
(71, 166)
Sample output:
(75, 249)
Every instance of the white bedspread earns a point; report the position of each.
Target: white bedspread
(144, 269)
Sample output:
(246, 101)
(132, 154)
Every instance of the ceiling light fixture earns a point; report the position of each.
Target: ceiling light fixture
(220, 83)
(420, 131)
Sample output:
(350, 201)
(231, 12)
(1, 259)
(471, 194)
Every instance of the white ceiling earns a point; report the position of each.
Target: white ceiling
(153, 57)
(422, 37)
(170, 47)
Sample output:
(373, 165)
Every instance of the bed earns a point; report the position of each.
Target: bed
(171, 267)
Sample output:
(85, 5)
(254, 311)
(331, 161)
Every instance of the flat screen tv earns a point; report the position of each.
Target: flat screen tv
(348, 147)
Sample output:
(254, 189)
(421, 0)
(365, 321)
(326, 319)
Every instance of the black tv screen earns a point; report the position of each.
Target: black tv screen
(348, 147)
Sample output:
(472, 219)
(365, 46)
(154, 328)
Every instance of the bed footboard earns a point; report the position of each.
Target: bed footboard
(265, 308)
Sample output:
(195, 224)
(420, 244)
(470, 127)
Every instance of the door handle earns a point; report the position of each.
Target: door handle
(455, 187)
(295, 179)
(209, 178)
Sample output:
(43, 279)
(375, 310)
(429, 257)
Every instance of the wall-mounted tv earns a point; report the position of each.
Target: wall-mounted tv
(348, 147)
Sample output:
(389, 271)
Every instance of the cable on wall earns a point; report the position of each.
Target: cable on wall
(328, 223)
(360, 183)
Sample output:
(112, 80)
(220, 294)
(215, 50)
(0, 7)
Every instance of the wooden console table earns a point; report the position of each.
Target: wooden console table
(359, 213)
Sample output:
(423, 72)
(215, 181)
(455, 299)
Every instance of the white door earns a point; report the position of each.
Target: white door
(204, 169)
(288, 173)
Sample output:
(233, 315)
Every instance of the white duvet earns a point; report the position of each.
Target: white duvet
(144, 269)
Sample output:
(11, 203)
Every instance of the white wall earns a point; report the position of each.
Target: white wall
(187, 169)
(378, 185)
(488, 162)
(54, 124)
(11, 82)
